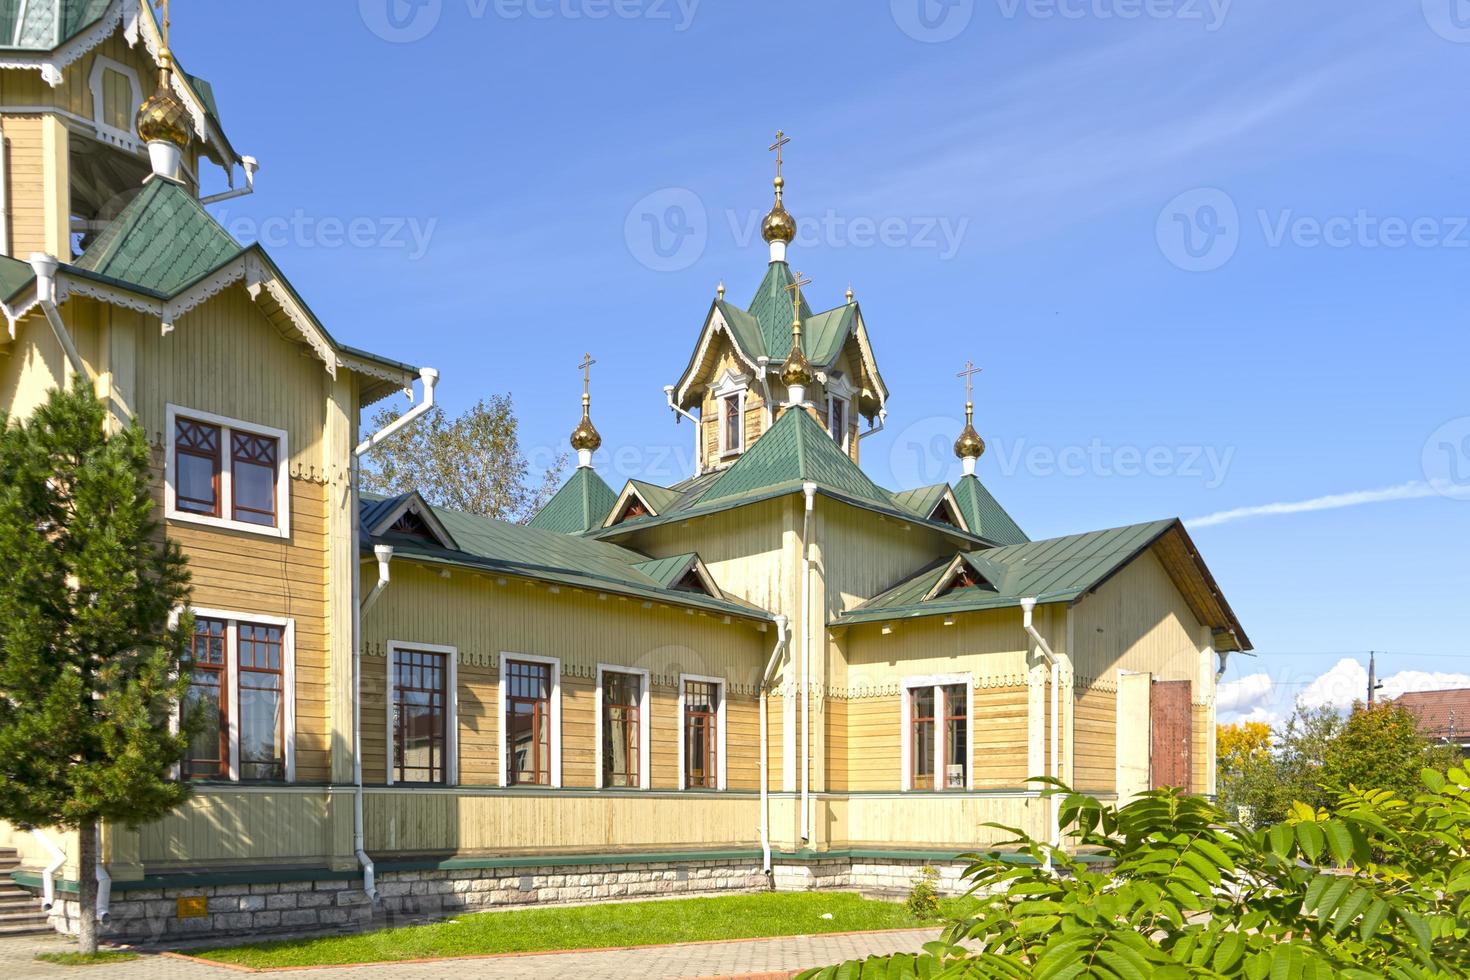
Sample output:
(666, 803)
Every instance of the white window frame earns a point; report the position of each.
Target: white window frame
(721, 738)
(124, 138)
(936, 681)
(282, 528)
(232, 680)
(451, 709)
(555, 664)
(737, 386)
(838, 390)
(644, 777)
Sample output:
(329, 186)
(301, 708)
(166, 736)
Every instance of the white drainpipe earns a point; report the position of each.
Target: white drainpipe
(874, 430)
(764, 364)
(782, 635)
(48, 873)
(45, 267)
(104, 884)
(384, 554)
(431, 379)
(252, 166)
(669, 397)
(1028, 606)
(810, 490)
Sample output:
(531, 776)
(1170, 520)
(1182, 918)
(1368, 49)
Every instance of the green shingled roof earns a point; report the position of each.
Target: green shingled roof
(771, 308)
(984, 515)
(162, 242)
(38, 25)
(582, 504)
(548, 556)
(796, 450)
(1057, 570)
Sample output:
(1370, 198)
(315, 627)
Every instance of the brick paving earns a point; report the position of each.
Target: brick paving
(740, 958)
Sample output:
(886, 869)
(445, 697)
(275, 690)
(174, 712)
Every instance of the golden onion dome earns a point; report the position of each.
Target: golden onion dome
(969, 445)
(779, 225)
(797, 371)
(585, 436)
(162, 117)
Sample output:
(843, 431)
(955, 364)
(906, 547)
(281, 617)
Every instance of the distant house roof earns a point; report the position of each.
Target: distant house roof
(1441, 714)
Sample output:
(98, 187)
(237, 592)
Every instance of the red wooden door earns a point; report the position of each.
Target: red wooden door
(1170, 755)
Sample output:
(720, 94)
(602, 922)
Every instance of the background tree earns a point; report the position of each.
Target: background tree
(472, 463)
(90, 662)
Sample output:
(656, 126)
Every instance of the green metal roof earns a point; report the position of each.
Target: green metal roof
(985, 516)
(921, 500)
(163, 241)
(661, 499)
(796, 450)
(1056, 570)
(13, 275)
(549, 556)
(582, 504)
(668, 572)
(38, 25)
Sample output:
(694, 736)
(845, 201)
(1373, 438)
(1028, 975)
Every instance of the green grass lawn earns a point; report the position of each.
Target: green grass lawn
(99, 958)
(767, 914)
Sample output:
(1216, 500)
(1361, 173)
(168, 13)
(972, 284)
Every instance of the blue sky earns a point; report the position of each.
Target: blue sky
(1212, 256)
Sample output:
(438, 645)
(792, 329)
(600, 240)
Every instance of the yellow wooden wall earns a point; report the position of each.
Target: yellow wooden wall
(937, 820)
(25, 179)
(223, 827)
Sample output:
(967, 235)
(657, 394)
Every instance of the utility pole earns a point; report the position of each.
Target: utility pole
(1372, 677)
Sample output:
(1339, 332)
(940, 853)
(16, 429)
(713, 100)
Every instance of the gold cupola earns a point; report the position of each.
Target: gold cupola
(969, 447)
(796, 372)
(779, 227)
(585, 438)
(163, 122)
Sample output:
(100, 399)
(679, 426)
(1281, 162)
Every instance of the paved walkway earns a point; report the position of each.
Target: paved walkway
(739, 958)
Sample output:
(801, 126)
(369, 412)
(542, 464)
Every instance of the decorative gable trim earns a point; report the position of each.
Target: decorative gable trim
(629, 499)
(415, 504)
(947, 511)
(698, 570)
(959, 574)
(714, 325)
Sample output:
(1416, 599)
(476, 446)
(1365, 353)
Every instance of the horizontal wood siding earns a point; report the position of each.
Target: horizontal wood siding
(1096, 724)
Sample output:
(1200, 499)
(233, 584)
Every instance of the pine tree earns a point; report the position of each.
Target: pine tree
(91, 637)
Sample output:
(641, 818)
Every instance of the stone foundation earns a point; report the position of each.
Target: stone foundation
(404, 896)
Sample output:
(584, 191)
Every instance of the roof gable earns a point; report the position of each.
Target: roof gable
(796, 450)
(407, 515)
(685, 573)
(984, 515)
(582, 504)
(163, 241)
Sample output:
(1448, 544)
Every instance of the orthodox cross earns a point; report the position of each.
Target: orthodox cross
(795, 290)
(586, 367)
(781, 140)
(167, 21)
(969, 374)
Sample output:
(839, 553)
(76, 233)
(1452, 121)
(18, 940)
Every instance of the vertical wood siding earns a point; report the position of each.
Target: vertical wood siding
(224, 827)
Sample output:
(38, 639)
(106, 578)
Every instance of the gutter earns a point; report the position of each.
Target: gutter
(783, 635)
(251, 166)
(1028, 606)
(764, 363)
(384, 554)
(48, 873)
(431, 379)
(873, 430)
(810, 491)
(104, 883)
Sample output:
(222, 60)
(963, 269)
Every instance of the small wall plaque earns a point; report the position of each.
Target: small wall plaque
(196, 907)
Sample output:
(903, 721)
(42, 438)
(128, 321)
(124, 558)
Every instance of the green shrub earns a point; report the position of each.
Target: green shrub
(923, 900)
(1376, 886)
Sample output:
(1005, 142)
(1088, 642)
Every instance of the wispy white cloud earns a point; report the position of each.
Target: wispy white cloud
(1251, 698)
(1404, 491)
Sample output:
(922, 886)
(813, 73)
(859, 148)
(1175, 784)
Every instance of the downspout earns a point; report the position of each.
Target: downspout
(873, 430)
(430, 378)
(104, 883)
(764, 364)
(669, 397)
(251, 166)
(48, 873)
(384, 554)
(781, 637)
(4, 196)
(1028, 607)
(45, 267)
(810, 491)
